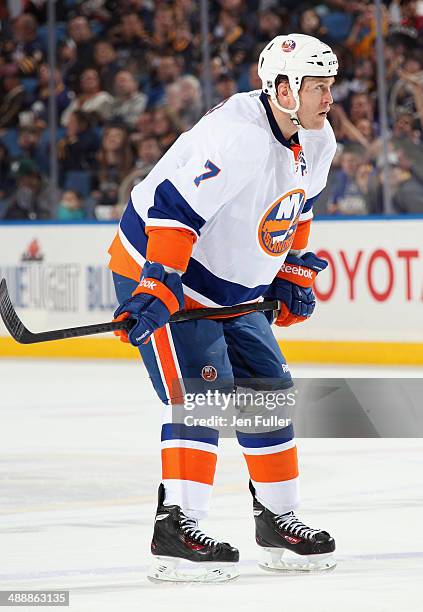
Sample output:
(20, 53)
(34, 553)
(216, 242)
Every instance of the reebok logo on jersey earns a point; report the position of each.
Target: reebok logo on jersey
(297, 271)
(148, 283)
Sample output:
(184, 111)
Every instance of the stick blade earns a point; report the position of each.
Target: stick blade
(13, 324)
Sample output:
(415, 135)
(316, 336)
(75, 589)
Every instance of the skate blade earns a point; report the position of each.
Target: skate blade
(172, 569)
(272, 561)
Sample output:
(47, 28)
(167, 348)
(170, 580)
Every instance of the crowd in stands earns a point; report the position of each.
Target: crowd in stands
(129, 81)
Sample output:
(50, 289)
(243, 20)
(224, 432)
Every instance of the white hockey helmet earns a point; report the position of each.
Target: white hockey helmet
(295, 56)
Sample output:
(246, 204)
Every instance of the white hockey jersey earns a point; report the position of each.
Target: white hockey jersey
(240, 187)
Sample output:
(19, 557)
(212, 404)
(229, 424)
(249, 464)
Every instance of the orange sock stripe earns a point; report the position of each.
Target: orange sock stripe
(276, 467)
(188, 464)
(170, 371)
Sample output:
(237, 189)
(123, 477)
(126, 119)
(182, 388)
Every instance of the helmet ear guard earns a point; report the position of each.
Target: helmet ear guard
(296, 56)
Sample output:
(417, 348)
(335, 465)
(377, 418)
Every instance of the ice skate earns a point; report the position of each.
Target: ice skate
(183, 553)
(287, 545)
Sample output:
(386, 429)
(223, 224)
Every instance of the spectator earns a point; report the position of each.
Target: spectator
(67, 64)
(363, 32)
(77, 52)
(131, 40)
(185, 44)
(360, 107)
(406, 126)
(408, 192)
(269, 25)
(192, 99)
(28, 51)
(225, 87)
(167, 71)
(412, 17)
(39, 101)
(91, 99)
(166, 127)
(12, 102)
(83, 38)
(30, 200)
(29, 146)
(406, 94)
(71, 207)
(106, 63)
(186, 11)
(144, 126)
(114, 161)
(250, 79)
(361, 132)
(128, 102)
(309, 23)
(232, 42)
(77, 150)
(346, 196)
(148, 154)
(184, 97)
(163, 28)
(6, 179)
(159, 43)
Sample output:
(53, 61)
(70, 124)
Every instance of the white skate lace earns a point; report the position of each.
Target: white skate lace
(190, 527)
(290, 523)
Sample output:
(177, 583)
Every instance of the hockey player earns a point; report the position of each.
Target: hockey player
(222, 220)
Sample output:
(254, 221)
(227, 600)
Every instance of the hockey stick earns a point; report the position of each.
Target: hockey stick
(21, 334)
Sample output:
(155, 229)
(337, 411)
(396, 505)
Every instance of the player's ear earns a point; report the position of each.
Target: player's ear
(284, 92)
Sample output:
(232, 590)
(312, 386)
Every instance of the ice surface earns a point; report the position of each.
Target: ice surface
(79, 471)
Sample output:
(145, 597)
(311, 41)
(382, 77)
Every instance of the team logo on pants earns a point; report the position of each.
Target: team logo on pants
(277, 227)
(209, 373)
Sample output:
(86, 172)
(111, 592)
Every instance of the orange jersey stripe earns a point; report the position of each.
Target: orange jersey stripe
(171, 247)
(273, 468)
(167, 362)
(188, 464)
(121, 261)
(302, 234)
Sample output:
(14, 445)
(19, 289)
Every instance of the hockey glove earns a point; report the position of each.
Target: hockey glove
(156, 298)
(293, 287)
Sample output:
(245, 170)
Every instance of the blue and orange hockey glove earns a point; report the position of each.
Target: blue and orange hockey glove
(293, 288)
(156, 298)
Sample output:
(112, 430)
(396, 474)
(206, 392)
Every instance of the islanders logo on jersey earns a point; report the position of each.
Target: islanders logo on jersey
(277, 227)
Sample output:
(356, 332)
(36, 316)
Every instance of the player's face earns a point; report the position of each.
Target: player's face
(315, 99)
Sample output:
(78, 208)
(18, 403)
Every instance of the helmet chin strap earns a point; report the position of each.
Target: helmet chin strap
(293, 111)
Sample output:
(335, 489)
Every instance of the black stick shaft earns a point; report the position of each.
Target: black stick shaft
(22, 335)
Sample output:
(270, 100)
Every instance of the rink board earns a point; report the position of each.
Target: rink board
(370, 297)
